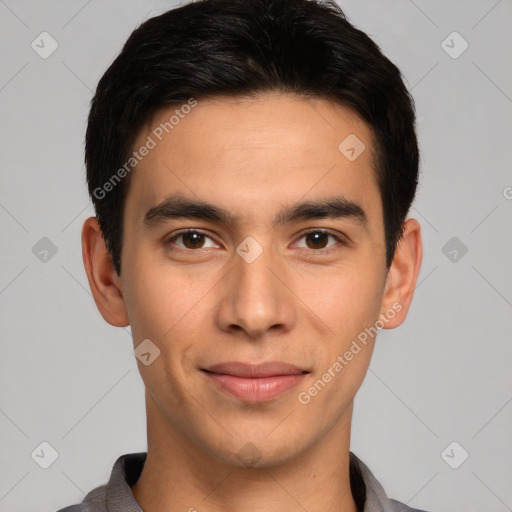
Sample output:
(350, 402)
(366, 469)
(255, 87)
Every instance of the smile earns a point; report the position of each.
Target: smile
(255, 383)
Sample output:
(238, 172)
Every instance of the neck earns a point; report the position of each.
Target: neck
(180, 475)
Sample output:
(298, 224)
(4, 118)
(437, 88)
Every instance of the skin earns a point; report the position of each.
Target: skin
(206, 305)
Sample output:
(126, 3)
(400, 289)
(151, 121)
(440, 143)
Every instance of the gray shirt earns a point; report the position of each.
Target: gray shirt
(116, 495)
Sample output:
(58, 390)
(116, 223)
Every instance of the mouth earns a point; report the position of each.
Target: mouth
(255, 383)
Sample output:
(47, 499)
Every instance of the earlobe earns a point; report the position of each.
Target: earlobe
(402, 275)
(104, 283)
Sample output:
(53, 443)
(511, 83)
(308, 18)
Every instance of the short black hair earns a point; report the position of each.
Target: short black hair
(235, 48)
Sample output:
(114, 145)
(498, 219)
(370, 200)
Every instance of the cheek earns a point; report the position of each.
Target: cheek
(170, 309)
(159, 310)
(156, 297)
(149, 316)
(343, 358)
(347, 299)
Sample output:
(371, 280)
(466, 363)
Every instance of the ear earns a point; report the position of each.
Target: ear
(402, 275)
(104, 282)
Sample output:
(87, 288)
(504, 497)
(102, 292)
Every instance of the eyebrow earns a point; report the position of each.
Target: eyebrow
(179, 206)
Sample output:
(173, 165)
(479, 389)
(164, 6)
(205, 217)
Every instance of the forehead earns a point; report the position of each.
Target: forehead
(248, 154)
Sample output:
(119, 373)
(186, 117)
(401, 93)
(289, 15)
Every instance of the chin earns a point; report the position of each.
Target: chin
(257, 452)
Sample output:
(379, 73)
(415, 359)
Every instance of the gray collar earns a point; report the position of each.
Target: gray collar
(116, 495)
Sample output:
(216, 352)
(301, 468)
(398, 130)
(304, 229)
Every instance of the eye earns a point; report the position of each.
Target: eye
(192, 239)
(318, 239)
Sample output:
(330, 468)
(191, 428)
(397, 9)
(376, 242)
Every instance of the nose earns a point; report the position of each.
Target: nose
(256, 299)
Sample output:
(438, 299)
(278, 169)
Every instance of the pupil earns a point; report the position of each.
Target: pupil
(194, 238)
(318, 237)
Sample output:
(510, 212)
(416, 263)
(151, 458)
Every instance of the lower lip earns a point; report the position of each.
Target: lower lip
(255, 389)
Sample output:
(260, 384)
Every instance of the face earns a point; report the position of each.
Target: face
(254, 279)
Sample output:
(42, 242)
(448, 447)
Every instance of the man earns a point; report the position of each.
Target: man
(251, 164)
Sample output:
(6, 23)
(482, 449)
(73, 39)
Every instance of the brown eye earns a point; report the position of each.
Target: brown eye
(318, 239)
(191, 239)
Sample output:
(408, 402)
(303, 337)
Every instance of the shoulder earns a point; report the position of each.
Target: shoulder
(94, 501)
(115, 494)
(400, 507)
(375, 498)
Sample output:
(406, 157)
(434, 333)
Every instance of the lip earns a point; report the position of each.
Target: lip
(266, 369)
(255, 383)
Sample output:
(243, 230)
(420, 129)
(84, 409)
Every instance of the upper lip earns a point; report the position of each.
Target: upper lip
(266, 369)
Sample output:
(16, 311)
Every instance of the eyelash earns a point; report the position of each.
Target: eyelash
(169, 241)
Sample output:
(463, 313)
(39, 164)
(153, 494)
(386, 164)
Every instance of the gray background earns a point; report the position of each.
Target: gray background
(70, 379)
